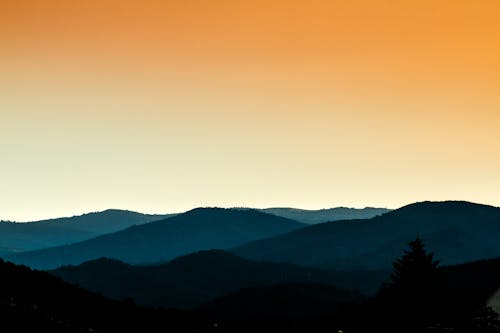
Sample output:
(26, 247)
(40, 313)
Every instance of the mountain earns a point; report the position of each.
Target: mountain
(326, 215)
(197, 278)
(34, 301)
(160, 241)
(28, 236)
(107, 221)
(457, 231)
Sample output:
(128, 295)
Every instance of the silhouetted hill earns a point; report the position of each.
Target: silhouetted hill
(198, 229)
(473, 283)
(289, 307)
(422, 297)
(197, 278)
(303, 307)
(326, 215)
(457, 231)
(34, 301)
(17, 237)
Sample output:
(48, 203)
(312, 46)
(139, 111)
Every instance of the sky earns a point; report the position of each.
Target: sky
(162, 106)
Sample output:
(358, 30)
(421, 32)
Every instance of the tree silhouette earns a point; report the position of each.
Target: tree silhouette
(413, 297)
(415, 271)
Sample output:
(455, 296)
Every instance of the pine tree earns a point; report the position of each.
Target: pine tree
(416, 270)
(412, 299)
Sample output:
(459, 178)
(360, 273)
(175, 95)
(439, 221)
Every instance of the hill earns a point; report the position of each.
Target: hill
(326, 215)
(457, 231)
(28, 236)
(34, 301)
(462, 292)
(290, 307)
(191, 280)
(160, 241)
(474, 283)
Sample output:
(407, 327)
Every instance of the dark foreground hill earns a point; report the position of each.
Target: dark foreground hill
(460, 293)
(473, 283)
(34, 301)
(197, 278)
(287, 307)
(326, 215)
(160, 241)
(17, 237)
(457, 231)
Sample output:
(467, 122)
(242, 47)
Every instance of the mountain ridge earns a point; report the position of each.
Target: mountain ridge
(326, 214)
(29, 236)
(351, 243)
(197, 229)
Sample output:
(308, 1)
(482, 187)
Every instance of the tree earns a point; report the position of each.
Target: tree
(415, 271)
(413, 297)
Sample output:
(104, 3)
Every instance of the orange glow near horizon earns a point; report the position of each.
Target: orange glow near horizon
(161, 106)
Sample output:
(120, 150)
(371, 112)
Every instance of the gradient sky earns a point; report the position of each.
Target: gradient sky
(161, 106)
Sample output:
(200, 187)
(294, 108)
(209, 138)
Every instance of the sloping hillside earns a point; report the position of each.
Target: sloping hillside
(28, 236)
(197, 278)
(34, 301)
(457, 231)
(159, 241)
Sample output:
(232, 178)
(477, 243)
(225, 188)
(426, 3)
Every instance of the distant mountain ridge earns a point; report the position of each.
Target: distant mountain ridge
(35, 235)
(457, 231)
(28, 236)
(116, 219)
(160, 241)
(326, 215)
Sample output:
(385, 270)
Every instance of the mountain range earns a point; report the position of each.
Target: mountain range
(237, 269)
(326, 215)
(457, 231)
(28, 236)
(160, 241)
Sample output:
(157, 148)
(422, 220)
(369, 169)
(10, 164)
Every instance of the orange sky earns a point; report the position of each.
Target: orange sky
(165, 105)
